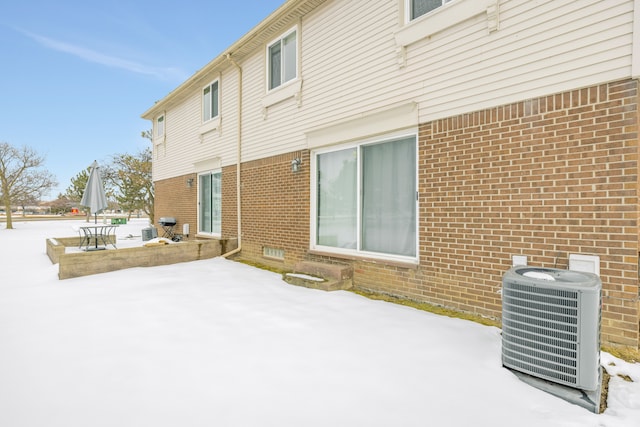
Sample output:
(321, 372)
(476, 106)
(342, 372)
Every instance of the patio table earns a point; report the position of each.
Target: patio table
(102, 235)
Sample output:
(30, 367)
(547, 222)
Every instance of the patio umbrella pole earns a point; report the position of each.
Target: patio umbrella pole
(94, 196)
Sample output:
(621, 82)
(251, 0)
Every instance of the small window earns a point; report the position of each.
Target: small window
(210, 101)
(283, 60)
(418, 8)
(160, 126)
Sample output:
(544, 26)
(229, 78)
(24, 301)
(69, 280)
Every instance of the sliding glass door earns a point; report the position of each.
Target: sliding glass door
(366, 198)
(210, 203)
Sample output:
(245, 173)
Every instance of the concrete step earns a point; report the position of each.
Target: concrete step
(317, 275)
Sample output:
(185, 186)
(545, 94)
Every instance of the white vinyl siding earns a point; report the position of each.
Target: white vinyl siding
(325, 98)
(186, 145)
(539, 48)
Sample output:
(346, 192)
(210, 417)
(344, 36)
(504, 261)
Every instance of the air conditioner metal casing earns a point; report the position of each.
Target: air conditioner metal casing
(551, 328)
(149, 233)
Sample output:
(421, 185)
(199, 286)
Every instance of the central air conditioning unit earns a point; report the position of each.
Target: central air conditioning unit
(551, 325)
(149, 233)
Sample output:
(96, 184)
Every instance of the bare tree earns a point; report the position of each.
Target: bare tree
(22, 176)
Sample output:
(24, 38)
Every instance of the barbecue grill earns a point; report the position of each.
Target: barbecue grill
(167, 223)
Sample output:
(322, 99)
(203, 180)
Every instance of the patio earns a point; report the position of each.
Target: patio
(126, 249)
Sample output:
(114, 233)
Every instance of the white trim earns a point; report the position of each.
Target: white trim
(268, 58)
(440, 19)
(198, 210)
(365, 125)
(407, 10)
(159, 145)
(202, 118)
(159, 139)
(290, 89)
(207, 165)
(160, 119)
(210, 125)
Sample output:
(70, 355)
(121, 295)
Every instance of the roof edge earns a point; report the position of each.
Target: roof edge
(281, 13)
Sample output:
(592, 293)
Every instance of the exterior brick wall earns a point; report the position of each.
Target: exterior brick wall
(175, 198)
(544, 178)
(275, 207)
(229, 203)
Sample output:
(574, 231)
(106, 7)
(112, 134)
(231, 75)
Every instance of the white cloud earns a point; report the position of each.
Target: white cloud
(89, 55)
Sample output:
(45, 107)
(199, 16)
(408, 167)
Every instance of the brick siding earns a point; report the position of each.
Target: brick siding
(175, 198)
(275, 207)
(544, 178)
(229, 202)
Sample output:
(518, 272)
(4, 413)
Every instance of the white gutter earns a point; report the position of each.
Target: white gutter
(239, 159)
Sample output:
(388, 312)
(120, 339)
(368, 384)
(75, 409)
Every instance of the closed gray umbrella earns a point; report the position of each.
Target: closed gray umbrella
(94, 197)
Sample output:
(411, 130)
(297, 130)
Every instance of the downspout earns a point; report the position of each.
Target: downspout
(239, 159)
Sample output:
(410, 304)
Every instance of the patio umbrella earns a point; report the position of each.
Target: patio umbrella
(93, 196)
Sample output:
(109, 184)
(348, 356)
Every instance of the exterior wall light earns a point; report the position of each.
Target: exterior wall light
(189, 182)
(295, 164)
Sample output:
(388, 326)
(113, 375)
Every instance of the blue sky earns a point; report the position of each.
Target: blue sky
(75, 75)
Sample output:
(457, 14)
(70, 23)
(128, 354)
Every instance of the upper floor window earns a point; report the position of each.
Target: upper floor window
(418, 8)
(283, 59)
(160, 126)
(210, 101)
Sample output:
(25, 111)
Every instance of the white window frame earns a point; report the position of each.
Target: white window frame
(409, 9)
(280, 39)
(159, 134)
(199, 191)
(210, 116)
(160, 126)
(442, 18)
(358, 252)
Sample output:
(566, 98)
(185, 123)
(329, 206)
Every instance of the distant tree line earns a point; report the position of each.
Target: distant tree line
(24, 181)
(128, 184)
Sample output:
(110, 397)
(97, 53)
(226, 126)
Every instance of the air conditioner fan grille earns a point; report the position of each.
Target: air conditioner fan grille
(540, 328)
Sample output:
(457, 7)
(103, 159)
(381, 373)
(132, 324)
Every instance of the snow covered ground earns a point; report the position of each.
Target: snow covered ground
(218, 343)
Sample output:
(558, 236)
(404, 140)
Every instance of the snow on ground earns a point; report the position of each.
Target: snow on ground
(218, 343)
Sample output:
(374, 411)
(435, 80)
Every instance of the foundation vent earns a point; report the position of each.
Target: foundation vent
(274, 253)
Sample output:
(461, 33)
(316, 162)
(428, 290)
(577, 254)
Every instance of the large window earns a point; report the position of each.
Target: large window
(366, 198)
(210, 203)
(210, 95)
(418, 8)
(283, 60)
